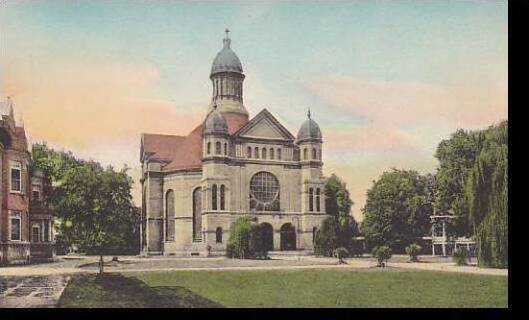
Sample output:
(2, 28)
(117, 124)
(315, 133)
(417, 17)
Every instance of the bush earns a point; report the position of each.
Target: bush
(327, 238)
(413, 251)
(382, 253)
(460, 256)
(246, 240)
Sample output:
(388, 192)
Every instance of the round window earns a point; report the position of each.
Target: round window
(264, 192)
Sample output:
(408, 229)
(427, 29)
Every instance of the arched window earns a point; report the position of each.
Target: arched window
(264, 192)
(278, 154)
(263, 153)
(313, 153)
(214, 197)
(249, 152)
(209, 148)
(271, 153)
(305, 154)
(222, 197)
(217, 147)
(218, 235)
(197, 214)
(318, 199)
(256, 152)
(225, 149)
(319, 154)
(311, 199)
(169, 215)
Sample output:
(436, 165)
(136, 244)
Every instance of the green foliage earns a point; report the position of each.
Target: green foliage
(456, 158)
(460, 256)
(338, 202)
(327, 238)
(487, 195)
(246, 239)
(397, 208)
(93, 204)
(413, 251)
(339, 229)
(382, 253)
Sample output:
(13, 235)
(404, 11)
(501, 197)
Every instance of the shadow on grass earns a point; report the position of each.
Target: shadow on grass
(114, 290)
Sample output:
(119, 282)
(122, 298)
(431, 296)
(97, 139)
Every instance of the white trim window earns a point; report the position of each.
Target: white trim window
(35, 192)
(35, 233)
(16, 225)
(15, 182)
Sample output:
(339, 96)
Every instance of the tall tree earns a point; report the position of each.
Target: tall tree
(93, 204)
(397, 208)
(487, 195)
(456, 158)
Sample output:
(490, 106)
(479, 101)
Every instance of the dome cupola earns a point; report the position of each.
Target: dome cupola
(215, 123)
(226, 60)
(309, 131)
(227, 80)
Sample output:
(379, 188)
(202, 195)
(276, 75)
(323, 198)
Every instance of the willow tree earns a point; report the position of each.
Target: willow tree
(486, 192)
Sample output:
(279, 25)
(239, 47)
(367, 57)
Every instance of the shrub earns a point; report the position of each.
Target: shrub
(460, 256)
(246, 240)
(327, 240)
(382, 253)
(413, 251)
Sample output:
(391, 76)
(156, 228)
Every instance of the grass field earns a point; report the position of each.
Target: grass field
(289, 288)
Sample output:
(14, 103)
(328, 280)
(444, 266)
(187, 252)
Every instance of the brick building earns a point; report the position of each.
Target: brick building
(25, 223)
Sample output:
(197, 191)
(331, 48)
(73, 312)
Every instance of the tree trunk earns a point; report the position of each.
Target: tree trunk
(101, 265)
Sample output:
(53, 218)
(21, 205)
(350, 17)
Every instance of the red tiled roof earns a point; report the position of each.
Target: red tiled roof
(188, 154)
(161, 146)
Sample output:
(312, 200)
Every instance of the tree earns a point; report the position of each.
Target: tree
(93, 204)
(456, 158)
(96, 208)
(340, 228)
(487, 197)
(327, 238)
(383, 254)
(397, 209)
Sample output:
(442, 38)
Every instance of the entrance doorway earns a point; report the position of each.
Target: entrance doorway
(288, 237)
(268, 236)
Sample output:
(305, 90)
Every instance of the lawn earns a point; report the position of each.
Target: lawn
(289, 288)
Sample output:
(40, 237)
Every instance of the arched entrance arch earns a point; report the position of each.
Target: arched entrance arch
(268, 236)
(288, 237)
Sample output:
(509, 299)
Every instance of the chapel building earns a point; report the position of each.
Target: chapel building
(195, 186)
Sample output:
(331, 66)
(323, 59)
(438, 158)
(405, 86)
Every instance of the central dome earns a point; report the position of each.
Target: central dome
(226, 60)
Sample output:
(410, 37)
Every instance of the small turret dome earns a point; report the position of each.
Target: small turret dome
(226, 60)
(309, 130)
(215, 123)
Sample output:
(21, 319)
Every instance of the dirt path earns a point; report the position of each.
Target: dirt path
(31, 292)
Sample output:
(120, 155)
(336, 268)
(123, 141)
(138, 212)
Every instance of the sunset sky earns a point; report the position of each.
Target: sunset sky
(385, 80)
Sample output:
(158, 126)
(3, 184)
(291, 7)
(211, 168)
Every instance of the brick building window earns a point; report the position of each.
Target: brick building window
(16, 176)
(311, 199)
(16, 225)
(222, 197)
(272, 154)
(35, 234)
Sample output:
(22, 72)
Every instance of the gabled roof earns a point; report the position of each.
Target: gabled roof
(266, 116)
(188, 154)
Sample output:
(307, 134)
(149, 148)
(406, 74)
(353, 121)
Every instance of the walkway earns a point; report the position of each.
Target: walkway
(31, 292)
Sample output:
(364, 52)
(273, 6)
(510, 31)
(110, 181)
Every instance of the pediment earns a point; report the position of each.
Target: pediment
(265, 126)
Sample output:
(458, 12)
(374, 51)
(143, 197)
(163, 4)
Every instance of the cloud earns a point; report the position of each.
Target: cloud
(462, 103)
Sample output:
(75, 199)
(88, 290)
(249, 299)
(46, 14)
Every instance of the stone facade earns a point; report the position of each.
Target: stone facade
(25, 224)
(194, 187)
